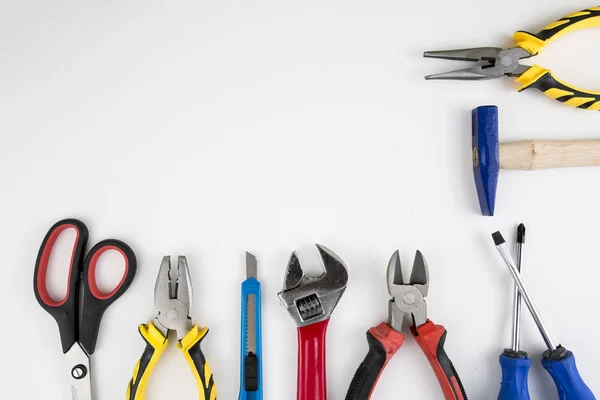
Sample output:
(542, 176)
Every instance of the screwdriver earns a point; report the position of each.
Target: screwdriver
(514, 362)
(251, 338)
(557, 360)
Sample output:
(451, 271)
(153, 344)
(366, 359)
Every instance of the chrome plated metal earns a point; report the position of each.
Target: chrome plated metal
(251, 272)
(173, 298)
(78, 365)
(407, 299)
(313, 299)
(251, 324)
(516, 317)
(251, 266)
(508, 259)
(491, 63)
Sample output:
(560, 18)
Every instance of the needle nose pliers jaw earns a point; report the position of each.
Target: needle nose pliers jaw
(172, 303)
(494, 62)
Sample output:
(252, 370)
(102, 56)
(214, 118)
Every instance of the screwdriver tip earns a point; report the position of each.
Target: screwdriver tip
(498, 239)
(521, 234)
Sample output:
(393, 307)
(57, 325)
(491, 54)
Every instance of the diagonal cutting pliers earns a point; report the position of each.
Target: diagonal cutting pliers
(408, 300)
(172, 302)
(494, 62)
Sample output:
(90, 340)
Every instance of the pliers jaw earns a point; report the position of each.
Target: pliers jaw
(173, 298)
(491, 63)
(407, 299)
(313, 299)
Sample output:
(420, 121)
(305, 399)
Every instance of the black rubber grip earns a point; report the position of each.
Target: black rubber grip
(448, 366)
(144, 362)
(199, 360)
(368, 372)
(251, 372)
(548, 82)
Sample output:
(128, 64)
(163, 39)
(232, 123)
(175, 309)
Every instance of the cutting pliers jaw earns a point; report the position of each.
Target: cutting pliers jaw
(491, 63)
(173, 298)
(407, 299)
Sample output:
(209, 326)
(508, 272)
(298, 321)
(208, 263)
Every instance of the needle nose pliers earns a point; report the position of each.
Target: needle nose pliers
(172, 302)
(493, 62)
(408, 300)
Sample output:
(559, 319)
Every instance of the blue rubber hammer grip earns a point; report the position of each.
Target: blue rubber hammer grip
(514, 378)
(567, 379)
(251, 286)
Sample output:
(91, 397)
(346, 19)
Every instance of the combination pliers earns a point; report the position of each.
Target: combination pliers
(408, 300)
(494, 62)
(172, 302)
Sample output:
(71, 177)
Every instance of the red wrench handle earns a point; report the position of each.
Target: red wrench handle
(431, 339)
(312, 372)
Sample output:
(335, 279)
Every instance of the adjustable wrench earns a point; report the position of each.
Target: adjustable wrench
(310, 301)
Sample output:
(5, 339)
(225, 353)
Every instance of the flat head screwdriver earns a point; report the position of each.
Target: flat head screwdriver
(514, 362)
(557, 360)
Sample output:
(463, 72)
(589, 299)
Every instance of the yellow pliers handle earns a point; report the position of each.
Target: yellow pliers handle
(156, 343)
(541, 78)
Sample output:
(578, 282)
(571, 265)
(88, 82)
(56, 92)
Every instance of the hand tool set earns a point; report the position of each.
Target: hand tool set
(494, 62)
(557, 360)
(310, 301)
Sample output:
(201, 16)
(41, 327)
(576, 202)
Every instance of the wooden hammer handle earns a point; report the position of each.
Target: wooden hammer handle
(543, 154)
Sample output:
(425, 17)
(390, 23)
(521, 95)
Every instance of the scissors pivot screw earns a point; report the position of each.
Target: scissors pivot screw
(79, 371)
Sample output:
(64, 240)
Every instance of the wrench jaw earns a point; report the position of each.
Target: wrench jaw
(312, 299)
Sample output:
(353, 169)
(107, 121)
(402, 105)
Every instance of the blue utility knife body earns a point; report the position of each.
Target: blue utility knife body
(251, 387)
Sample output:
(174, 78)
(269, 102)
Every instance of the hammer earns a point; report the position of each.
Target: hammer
(489, 155)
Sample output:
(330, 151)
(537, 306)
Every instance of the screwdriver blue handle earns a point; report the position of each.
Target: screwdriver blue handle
(567, 379)
(515, 371)
(251, 387)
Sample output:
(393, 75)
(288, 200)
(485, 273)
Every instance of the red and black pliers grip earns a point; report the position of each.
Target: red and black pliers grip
(384, 342)
(431, 339)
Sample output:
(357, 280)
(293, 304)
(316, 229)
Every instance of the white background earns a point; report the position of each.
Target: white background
(209, 128)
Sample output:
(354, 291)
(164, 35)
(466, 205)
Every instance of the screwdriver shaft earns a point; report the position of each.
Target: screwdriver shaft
(503, 250)
(516, 318)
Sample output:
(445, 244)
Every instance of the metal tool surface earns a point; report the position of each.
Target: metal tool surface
(513, 361)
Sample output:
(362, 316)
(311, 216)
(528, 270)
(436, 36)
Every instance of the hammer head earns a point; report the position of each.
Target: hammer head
(486, 157)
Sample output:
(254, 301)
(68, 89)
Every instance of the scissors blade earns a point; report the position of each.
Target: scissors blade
(78, 365)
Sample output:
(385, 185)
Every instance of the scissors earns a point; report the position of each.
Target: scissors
(79, 313)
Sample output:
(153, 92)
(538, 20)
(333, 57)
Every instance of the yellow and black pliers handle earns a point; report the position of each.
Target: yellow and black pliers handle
(542, 78)
(494, 62)
(156, 343)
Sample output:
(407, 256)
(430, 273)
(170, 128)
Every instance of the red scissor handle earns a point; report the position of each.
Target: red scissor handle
(95, 302)
(431, 339)
(312, 371)
(65, 310)
(78, 317)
